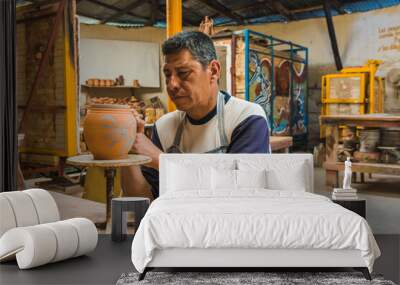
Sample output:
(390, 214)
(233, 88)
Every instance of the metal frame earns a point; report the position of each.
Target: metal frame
(327, 95)
(293, 50)
(371, 104)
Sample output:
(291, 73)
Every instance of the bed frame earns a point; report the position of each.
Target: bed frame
(242, 259)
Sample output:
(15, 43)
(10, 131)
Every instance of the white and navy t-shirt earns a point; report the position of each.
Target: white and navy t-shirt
(246, 129)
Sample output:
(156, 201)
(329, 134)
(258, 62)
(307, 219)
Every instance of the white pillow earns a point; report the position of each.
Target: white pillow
(293, 178)
(291, 175)
(223, 179)
(251, 178)
(182, 177)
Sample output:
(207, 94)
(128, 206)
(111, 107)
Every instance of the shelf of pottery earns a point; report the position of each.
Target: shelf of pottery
(371, 145)
(149, 110)
(372, 141)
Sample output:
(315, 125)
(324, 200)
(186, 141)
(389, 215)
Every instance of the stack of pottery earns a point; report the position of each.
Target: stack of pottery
(369, 140)
(390, 145)
(349, 141)
(391, 137)
(349, 138)
(96, 82)
(109, 131)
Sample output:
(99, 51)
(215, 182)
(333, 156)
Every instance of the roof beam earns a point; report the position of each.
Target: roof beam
(154, 11)
(245, 6)
(124, 11)
(332, 35)
(279, 8)
(187, 22)
(116, 9)
(338, 6)
(214, 4)
(88, 16)
(188, 10)
(308, 9)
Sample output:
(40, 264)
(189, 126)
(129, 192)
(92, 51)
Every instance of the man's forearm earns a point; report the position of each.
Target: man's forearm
(155, 161)
(133, 182)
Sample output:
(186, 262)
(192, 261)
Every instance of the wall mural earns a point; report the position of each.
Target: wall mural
(260, 82)
(287, 110)
(299, 94)
(282, 98)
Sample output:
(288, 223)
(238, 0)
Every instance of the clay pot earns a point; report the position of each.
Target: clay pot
(109, 131)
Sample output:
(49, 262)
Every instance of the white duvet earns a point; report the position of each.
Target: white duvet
(253, 218)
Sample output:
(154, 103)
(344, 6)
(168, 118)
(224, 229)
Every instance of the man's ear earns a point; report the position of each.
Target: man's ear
(215, 70)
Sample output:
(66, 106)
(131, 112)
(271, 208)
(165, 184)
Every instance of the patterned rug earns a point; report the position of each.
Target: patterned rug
(243, 278)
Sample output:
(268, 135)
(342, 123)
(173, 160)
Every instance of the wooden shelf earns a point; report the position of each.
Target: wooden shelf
(280, 142)
(112, 87)
(364, 167)
(40, 108)
(367, 120)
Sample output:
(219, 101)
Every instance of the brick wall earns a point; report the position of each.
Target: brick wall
(44, 130)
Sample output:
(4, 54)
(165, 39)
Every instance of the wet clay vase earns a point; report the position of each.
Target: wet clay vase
(109, 131)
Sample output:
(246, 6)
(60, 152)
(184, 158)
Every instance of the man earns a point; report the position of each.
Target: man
(206, 120)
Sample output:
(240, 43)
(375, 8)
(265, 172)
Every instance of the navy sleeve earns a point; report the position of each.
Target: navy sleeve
(150, 174)
(250, 136)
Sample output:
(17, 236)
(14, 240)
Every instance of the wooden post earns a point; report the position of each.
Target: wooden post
(332, 139)
(174, 26)
(332, 35)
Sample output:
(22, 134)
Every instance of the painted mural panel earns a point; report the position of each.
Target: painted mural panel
(260, 89)
(281, 116)
(281, 101)
(299, 116)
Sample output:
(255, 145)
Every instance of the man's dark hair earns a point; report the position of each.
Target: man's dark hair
(198, 44)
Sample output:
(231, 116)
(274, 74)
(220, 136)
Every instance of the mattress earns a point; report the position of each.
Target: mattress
(250, 219)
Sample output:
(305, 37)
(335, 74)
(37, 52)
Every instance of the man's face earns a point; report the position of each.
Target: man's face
(188, 82)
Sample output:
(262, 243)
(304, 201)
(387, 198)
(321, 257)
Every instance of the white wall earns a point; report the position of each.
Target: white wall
(148, 34)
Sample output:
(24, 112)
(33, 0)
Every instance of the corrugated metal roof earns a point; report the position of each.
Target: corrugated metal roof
(233, 12)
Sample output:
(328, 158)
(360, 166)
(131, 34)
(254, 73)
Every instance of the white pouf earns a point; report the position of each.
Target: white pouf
(31, 232)
(7, 218)
(46, 207)
(41, 244)
(23, 208)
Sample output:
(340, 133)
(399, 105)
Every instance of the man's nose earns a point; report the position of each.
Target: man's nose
(173, 82)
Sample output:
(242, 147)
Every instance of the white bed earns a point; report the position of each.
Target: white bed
(202, 220)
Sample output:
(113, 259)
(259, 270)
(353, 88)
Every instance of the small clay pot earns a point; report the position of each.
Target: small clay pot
(109, 131)
(136, 83)
(150, 115)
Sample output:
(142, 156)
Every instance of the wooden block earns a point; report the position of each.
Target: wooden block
(332, 178)
(40, 159)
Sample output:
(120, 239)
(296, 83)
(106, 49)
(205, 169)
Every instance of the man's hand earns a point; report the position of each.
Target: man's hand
(143, 145)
